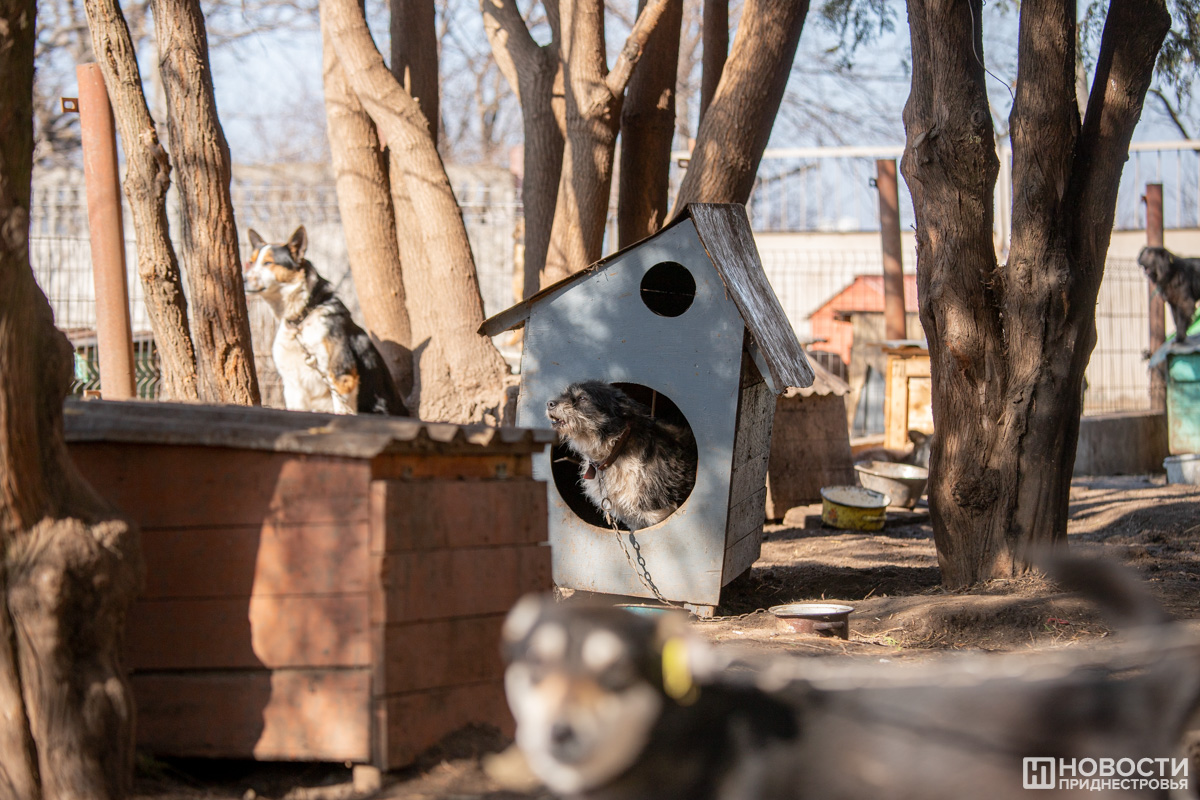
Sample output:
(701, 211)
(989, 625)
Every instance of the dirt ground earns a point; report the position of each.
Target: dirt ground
(901, 614)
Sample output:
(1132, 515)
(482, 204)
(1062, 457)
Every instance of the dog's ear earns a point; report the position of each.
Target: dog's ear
(298, 244)
(917, 437)
(256, 241)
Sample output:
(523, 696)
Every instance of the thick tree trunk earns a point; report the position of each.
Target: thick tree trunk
(534, 72)
(220, 322)
(68, 567)
(460, 374)
(734, 129)
(147, 178)
(1009, 344)
(360, 167)
(594, 98)
(415, 54)
(714, 32)
(647, 129)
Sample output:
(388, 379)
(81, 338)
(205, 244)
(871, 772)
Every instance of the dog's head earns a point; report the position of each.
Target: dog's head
(276, 270)
(591, 411)
(1156, 262)
(586, 687)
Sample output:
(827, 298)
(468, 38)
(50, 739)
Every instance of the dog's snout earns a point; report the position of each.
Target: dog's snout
(561, 733)
(551, 404)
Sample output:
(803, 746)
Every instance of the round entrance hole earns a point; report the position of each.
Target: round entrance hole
(565, 467)
(668, 289)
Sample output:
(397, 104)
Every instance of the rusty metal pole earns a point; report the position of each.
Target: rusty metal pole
(1158, 322)
(114, 334)
(893, 264)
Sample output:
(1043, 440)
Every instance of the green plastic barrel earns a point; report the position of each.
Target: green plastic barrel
(1183, 403)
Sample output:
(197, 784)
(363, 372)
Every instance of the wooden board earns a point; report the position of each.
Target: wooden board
(163, 486)
(439, 653)
(265, 560)
(233, 633)
(318, 715)
(432, 515)
(451, 467)
(810, 449)
(410, 724)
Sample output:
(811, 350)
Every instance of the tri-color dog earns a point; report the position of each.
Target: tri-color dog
(1178, 280)
(327, 363)
(634, 467)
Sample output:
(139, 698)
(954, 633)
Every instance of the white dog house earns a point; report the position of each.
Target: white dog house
(685, 322)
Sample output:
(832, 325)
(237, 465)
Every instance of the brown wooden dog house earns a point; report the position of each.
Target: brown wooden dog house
(686, 321)
(318, 587)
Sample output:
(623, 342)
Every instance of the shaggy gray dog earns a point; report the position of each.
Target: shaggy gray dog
(1178, 280)
(635, 468)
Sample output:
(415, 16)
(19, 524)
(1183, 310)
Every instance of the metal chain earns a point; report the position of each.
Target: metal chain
(640, 569)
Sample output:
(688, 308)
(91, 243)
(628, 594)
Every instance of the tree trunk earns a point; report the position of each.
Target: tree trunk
(647, 129)
(460, 374)
(70, 568)
(714, 31)
(147, 178)
(221, 325)
(415, 54)
(593, 108)
(535, 74)
(1009, 344)
(360, 167)
(736, 126)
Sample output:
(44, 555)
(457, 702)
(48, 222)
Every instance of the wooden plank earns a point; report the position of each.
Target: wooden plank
(301, 715)
(410, 724)
(746, 517)
(748, 478)
(234, 633)
(452, 467)
(895, 416)
(756, 414)
(740, 557)
(463, 582)
(163, 486)
(439, 653)
(434, 515)
(267, 560)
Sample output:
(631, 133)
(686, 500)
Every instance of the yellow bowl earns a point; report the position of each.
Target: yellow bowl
(854, 508)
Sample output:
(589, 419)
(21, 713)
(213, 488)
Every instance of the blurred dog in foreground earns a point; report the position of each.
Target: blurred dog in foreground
(634, 467)
(612, 705)
(327, 363)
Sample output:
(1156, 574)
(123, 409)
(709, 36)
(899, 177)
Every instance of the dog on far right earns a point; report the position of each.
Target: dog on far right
(1178, 280)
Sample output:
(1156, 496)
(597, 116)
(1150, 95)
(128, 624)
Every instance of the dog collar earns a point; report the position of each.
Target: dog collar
(590, 474)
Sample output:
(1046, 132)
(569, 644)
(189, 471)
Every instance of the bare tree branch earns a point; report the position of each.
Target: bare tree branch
(622, 69)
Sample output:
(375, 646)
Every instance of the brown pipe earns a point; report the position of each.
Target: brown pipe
(893, 264)
(114, 334)
(1158, 312)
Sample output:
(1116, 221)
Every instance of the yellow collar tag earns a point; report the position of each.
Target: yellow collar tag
(677, 677)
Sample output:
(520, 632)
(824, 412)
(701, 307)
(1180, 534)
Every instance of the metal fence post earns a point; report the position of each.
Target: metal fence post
(1158, 322)
(895, 326)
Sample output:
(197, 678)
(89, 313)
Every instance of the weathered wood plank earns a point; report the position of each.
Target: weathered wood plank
(740, 557)
(452, 467)
(435, 515)
(267, 560)
(163, 486)
(439, 653)
(747, 517)
(301, 715)
(810, 449)
(234, 633)
(756, 414)
(463, 582)
(410, 724)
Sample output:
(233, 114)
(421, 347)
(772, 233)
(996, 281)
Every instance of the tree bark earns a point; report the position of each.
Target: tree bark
(737, 124)
(594, 96)
(360, 167)
(647, 130)
(534, 72)
(459, 374)
(147, 179)
(1009, 344)
(221, 325)
(69, 567)
(714, 32)
(415, 54)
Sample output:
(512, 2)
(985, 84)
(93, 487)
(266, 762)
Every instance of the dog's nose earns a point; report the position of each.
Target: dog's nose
(561, 733)
(550, 404)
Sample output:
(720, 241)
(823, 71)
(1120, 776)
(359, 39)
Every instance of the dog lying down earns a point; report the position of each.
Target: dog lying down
(327, 363)
(612, 705)
(634, 467)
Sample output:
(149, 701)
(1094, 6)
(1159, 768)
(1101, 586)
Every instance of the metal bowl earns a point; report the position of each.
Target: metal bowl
(904, 483)
(825, 619)
(854, 508)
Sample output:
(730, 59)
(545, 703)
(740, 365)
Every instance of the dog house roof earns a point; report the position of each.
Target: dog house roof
(253, 428)
(725, 234)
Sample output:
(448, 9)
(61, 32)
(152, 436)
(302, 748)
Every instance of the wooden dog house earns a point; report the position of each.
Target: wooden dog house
(318, 587)
(686, 322)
